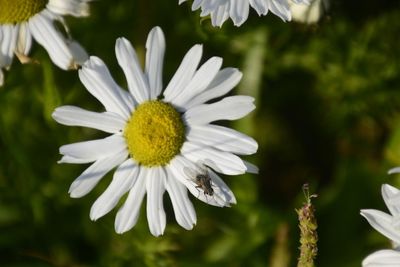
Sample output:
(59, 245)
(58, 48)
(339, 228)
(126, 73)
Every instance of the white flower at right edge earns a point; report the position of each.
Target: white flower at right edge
(389, 226)
(238, 10)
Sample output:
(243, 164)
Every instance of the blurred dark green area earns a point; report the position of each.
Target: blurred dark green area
(328, 114)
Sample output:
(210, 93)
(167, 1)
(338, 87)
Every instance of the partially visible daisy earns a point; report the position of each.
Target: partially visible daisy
(238, 10)
(308, 13)
(389, 226)
(22, 20)
(156, 134)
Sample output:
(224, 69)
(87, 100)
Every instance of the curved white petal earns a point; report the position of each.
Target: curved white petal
(219, 15)
(382, 258)
(77, 8)
(183, 208)
(124, 178)
(250, 167)
(24, 42)
(43, 30)
(128, 214)
(223, 83)
(239, 11)
(261, 6)
(222, 138)
(383, 223)
(394, 170)
(129, 62)
(155, 186)
(155, 46)
(73, 116)
(222, 162)
(98, 81)
(8, 43)
(281, 9)
(184, 73)
(229, 108)
(95, 149)
(391, 196)
(92, 175)
(200, 81)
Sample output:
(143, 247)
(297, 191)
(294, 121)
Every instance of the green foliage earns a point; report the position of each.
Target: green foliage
(328, 113)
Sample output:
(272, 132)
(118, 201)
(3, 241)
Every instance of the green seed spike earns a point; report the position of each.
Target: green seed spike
(308, 231)
(17, 11)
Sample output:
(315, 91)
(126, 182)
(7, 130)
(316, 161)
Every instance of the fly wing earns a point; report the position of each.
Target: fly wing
(201, 167)
(190, 173)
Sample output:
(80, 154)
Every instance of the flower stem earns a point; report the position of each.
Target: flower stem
(308, 231)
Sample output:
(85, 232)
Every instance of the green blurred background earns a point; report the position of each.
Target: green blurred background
(328, 113)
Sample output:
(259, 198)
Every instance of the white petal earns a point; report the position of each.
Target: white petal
(95, 149)
(221, 189)
(382, 222)
(200, 81)
(128, 214)
(261, 6)
(394, 170)
(98, 81)
(78, 8)
(224, 81)
(183, 208)
(78, 53)
(45, 33)
(92, 175)
(184, 73)
(229, 108)
(251, 168)
(155, 46)
(8, 43)
(221, 161)
(129, 62)
(155, 186)
(222, 138)
(220, 14)
(176, 167)
(391, 196)
(124, 178)
(72, 160)
(382, 258)
(24, 40)
(73, 116)
(239, 11)
(281, 9)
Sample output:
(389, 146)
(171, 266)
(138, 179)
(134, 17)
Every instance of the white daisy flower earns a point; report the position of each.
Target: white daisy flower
(156, 134)
(238, 10)
(388, 225)
(22, 20)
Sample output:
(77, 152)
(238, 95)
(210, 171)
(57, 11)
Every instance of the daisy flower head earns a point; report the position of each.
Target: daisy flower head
(238, 10)
(24, 20)
(388, 225)
(158, 135)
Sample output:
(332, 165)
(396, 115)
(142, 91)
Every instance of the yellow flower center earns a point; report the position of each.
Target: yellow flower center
(155, 133)
(16, 11)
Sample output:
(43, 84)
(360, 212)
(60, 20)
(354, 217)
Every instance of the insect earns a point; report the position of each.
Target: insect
(201, 177)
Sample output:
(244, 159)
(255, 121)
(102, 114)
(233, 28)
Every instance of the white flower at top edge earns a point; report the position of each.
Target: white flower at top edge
(308, 13)
(24, 20)
(388, 225)
(238, 10)
(156, 134)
